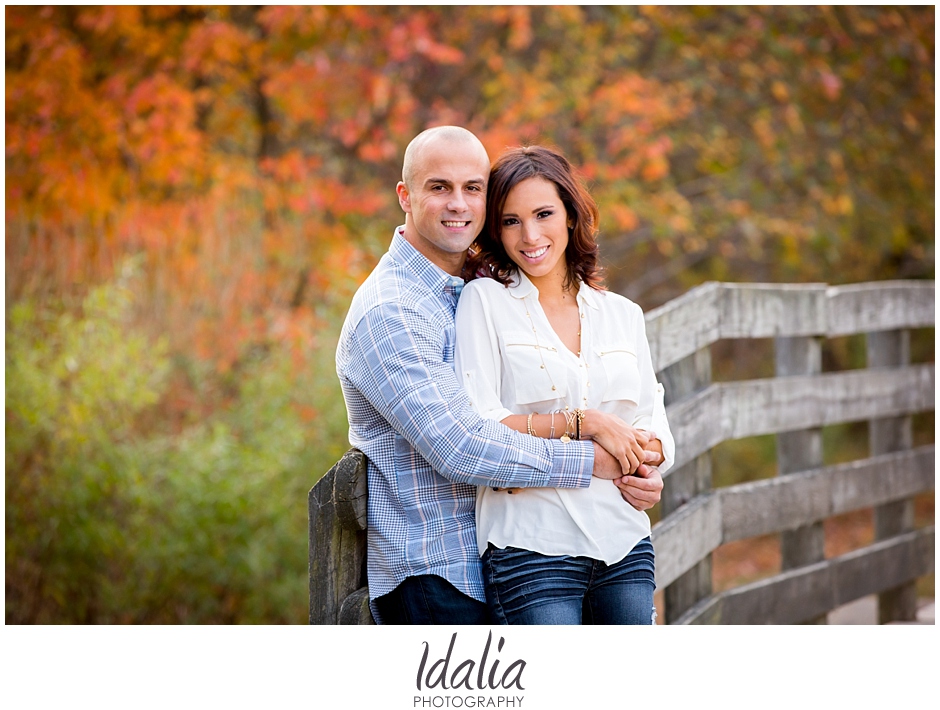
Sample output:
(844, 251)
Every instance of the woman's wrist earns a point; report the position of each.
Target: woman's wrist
(590, 423)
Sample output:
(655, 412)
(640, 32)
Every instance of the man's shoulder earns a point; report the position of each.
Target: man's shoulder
(389, 281)
(392, 291)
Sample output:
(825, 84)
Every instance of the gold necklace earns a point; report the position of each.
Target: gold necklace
(538, 347)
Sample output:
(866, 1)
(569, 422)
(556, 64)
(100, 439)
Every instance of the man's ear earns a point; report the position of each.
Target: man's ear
(404, 198)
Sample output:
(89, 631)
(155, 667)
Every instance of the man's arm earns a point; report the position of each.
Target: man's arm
(397, 364)
(606, 465)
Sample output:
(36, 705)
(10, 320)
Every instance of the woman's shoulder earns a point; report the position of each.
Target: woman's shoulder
(615, 303)
(485, 286)
(479, 296)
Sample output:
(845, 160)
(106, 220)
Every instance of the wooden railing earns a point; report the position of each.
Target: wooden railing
(697, 518)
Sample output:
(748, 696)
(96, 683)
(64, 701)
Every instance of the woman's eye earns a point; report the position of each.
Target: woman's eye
(546, 213)
(509, 221)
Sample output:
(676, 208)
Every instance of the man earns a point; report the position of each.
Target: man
(408, 412)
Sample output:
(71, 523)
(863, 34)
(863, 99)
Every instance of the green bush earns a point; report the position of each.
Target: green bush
(113, 517)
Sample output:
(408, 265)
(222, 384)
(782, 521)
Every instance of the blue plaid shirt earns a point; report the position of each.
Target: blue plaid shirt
(427, 449)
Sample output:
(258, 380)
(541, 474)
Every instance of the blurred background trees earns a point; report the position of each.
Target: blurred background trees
(193, 194)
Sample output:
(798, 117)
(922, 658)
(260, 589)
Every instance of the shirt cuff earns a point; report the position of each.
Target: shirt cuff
(572, 464)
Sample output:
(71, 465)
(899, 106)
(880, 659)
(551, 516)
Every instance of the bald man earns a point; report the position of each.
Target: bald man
(409, 414)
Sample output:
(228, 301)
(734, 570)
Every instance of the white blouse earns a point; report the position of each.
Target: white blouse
(498, 359)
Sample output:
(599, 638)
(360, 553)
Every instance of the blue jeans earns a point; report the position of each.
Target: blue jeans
(524, 587)
(429, 599)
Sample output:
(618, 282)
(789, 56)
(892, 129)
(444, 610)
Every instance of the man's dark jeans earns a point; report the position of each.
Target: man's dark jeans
(429, 599)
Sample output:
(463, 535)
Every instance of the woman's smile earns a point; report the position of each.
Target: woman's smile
(537, 253)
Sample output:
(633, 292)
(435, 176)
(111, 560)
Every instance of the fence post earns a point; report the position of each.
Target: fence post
(681, 380)
(337, 509)
(886, 349)
(800, 451)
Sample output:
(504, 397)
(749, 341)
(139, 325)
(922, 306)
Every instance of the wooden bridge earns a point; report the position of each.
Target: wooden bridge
(697, 518)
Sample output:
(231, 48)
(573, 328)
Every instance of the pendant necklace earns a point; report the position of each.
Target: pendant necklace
(538, 346)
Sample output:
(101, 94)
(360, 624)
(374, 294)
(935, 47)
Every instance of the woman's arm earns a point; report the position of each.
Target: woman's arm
(627, 444)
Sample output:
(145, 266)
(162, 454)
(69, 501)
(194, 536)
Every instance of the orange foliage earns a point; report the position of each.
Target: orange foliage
(251, 153)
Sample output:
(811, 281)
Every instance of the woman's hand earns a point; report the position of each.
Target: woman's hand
(655, 455)
(621, 440)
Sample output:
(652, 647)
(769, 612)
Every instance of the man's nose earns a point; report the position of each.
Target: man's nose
(457, 202)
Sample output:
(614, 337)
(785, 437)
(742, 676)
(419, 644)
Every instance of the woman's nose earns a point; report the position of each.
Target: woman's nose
(529, 233)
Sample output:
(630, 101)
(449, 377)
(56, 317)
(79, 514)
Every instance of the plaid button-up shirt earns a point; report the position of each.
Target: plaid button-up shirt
(427, 449)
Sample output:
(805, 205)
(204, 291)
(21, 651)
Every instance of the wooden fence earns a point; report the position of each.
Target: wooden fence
(697, 518)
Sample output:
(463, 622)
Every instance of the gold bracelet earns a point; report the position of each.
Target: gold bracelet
(566, 437)
(551, 433)
(579, 415)
(529, 426)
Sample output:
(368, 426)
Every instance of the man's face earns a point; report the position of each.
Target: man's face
(446, 201)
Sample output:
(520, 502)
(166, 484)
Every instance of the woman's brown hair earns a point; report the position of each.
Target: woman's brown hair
(489, 258)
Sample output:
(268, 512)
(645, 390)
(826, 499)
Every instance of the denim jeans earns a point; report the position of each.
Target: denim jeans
(429, 599)
(524, 587)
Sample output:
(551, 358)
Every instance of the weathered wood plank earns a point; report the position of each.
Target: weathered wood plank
(696, 424)
(769, 406)
(350, 489)
(800, 450)
(686, 537)
(716, 310)
(772, 310)
(778, 504)
(774, 505)
(880, 305)
(683, 379)
(890, 349)
(683, 326)
(337, 550)
(355, 609)
(807, 592)
(734, 410)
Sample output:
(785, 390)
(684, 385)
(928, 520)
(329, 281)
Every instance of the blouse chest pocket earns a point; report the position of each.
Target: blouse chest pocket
(622, 370)
(537, 372)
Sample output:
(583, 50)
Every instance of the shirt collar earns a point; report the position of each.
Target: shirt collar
(430, 274)
(520, 286)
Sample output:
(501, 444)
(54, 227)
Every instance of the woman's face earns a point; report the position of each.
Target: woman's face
(535, 229)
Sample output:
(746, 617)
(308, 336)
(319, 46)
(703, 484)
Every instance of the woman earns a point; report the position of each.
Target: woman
(543, 348)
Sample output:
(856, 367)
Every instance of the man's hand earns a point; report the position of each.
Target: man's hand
(605, 465)
(642, 490)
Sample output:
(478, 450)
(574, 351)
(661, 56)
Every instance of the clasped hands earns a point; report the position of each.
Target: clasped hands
(622, 454)
(637, 453)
